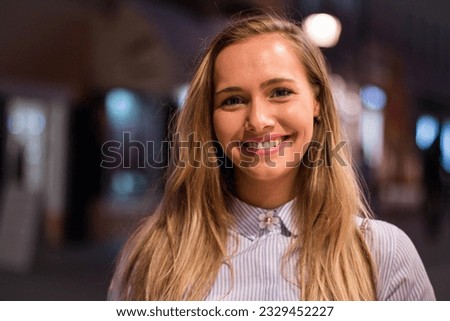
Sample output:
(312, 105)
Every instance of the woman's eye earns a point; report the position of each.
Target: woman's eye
(280, 92)
(232, 101)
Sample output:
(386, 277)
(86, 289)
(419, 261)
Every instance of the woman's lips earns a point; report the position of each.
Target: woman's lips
(263, 147)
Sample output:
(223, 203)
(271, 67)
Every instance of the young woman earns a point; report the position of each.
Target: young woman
(261, 201)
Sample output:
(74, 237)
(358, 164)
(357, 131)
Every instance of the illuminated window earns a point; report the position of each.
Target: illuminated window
(372, 128)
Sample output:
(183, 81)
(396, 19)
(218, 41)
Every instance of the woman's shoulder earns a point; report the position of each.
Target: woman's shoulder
(401, 273)
(389, 245)
(383, 234)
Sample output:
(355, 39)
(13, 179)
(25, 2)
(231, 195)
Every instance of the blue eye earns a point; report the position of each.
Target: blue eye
(232, 101)
(280, 92)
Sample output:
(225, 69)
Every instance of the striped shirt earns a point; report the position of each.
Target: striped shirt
(263, 236)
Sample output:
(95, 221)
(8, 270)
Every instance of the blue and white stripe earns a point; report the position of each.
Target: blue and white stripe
(257, 267)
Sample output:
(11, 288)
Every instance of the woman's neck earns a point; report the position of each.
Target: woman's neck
(265, 193)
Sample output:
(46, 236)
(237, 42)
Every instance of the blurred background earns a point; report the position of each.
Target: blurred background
(87, 88)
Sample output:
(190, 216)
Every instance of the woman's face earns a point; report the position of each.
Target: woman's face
(264, 107)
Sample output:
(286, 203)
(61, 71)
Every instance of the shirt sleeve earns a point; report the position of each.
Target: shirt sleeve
(402, 275)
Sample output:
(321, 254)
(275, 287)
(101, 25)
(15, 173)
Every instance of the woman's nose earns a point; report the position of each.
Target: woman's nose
(260, 117)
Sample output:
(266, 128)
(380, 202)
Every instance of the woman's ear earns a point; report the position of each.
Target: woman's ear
(316, 109)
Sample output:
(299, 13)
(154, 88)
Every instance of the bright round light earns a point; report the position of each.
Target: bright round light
(373, 97)
(427, 128)
(323, 29)
(122, 106)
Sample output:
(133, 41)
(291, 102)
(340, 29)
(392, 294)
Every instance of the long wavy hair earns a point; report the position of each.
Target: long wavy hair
(176, 253)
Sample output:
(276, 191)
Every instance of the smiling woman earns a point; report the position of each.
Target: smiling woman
(263, 101)
(279, 219)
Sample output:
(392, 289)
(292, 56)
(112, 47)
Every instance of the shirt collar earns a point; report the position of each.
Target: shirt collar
(247, 217)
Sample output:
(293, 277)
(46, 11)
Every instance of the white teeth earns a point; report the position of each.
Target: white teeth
(264, 145)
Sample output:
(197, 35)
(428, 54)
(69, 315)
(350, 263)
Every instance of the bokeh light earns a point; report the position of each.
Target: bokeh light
(26, 121)
(445, 146)
(180, 94)
(427, 128)
(323, 29)
(373, 97)
(122, 107)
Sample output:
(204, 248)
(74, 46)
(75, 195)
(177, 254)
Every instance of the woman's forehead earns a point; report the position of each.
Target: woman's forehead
(269, 55)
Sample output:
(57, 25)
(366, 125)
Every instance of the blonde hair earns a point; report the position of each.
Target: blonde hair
(177, 252)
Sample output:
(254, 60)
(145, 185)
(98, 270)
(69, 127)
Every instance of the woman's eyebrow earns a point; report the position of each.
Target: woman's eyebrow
(263, 85)
(275, 81)
(227, 90)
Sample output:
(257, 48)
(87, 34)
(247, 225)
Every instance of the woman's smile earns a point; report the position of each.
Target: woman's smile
(266, 145)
